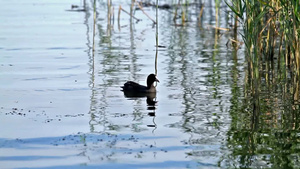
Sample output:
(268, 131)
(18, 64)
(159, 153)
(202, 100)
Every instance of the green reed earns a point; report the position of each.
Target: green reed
(271, 30)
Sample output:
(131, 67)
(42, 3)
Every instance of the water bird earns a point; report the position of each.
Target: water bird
(134, 87)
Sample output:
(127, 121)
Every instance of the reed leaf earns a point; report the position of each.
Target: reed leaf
(237, 10)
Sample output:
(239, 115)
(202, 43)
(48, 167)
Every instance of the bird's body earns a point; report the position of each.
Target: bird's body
(131, 86)
(135, 87)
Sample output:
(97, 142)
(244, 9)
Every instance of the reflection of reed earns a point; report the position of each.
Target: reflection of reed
(91, 55)
(94, 34)
(110, 17)
(97, 109)
(266, 117)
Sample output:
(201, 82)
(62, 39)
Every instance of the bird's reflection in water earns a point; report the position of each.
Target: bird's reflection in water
(151, 103)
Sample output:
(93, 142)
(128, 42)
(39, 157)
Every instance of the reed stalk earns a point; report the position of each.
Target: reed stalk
(119, 15)
(141, 8)
(200, 15)
(156, 37)
(129, 13)
(217, 8)
(183, 17)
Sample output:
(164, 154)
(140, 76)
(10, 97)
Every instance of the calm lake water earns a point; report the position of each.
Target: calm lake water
(61, 104)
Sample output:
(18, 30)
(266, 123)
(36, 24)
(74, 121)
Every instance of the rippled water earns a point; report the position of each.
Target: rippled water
(61, 106)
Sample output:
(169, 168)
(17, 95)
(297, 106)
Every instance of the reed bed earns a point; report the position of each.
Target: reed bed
(271, 31)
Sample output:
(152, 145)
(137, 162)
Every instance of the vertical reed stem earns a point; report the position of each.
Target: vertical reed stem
(156, 36)
(200, 15)
(119, 14)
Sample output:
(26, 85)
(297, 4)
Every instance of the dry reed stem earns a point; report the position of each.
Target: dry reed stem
(183, 18)
(120, 8)
(236, 41)
(260, 33)
(200, 15)
(296, 47)
(119, 14)
(145, 12)
(219, 28)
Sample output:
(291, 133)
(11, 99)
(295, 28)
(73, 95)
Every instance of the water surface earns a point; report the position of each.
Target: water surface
(61, 104)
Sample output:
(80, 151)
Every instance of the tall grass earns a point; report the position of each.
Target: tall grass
(270, 25)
